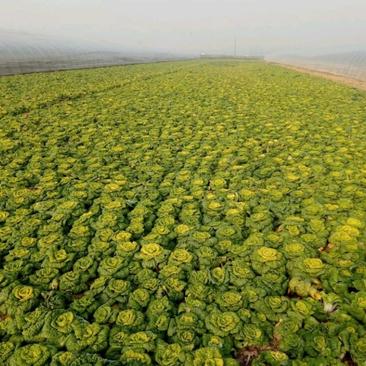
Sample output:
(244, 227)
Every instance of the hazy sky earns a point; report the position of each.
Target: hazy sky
(194, 26)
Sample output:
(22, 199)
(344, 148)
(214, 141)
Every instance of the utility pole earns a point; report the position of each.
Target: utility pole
(235, 47)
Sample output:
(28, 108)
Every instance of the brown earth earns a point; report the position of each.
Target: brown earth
(359, 84)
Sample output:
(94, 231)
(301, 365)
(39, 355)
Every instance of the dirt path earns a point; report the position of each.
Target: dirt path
(359, 84)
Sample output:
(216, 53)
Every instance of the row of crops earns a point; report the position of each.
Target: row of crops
(195, 213)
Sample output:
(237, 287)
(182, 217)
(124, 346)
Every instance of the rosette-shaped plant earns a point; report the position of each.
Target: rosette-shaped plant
(267, 259)
(358, 349)
(206, 256)
(91, 337)
(218, 183)
(130, 320)
(236, 215)
(293, 250)
(59, 259)
(6, 233)
(164, 221)
(151, 255)
(28, 242)
(229, 300)
(207, 356)
(219, 276)
(190, 214)
(224, 344)
(306, 267)
(293, 226)
(344, 235)
(117, 289)
(136, 226)
(122, 237)
(49, 240)
(139, 299)
(58, 326)
(23, 294)
(80, 232)
(224, 247)
(357, 306)
(105, 314)
(100, 248)
(140, 340)
(274, 283)
(291, 344)
(288, 325)
(84, 304)
(78, 359)
(169, 354)
(255, 239)
(182, 231)
(170, 270)
(302, 308)
(6, 350)
(261, 220)
(229, 232)
(31, 355)
(318, 227)
(160, 234)
(192, 305)
(181, 257)
(33, 323)
(316, 343)
(131, 357)
(19, 253)
(112, 266)
(104, 234)
(187, 338)
(3, 216)
(273, 358)
(201, 238)
(15, 267)
(70, 281)
(240, 272)
(173, 287)
(19, 197)
(303, 288)
(360, 300)
(134, 267)
(199, 291)
(213, 210)
(159, 323)
(116, 342)
(86, 266)
(158, 314)
(186, 321)
(126, 249)
(107, 219)
(250, 335)
(98, 285)
(222, 323)
(313, 266)
(272, 307)
(274, 238)
(146, 278)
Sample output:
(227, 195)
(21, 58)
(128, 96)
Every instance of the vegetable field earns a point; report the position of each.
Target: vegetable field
(201, 213)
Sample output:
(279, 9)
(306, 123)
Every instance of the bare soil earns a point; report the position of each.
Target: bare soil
(359, 84)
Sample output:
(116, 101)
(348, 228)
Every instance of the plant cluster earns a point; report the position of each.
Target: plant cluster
(194, 214)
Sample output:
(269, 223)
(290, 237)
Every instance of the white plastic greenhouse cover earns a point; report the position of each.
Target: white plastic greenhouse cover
(352, 65)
